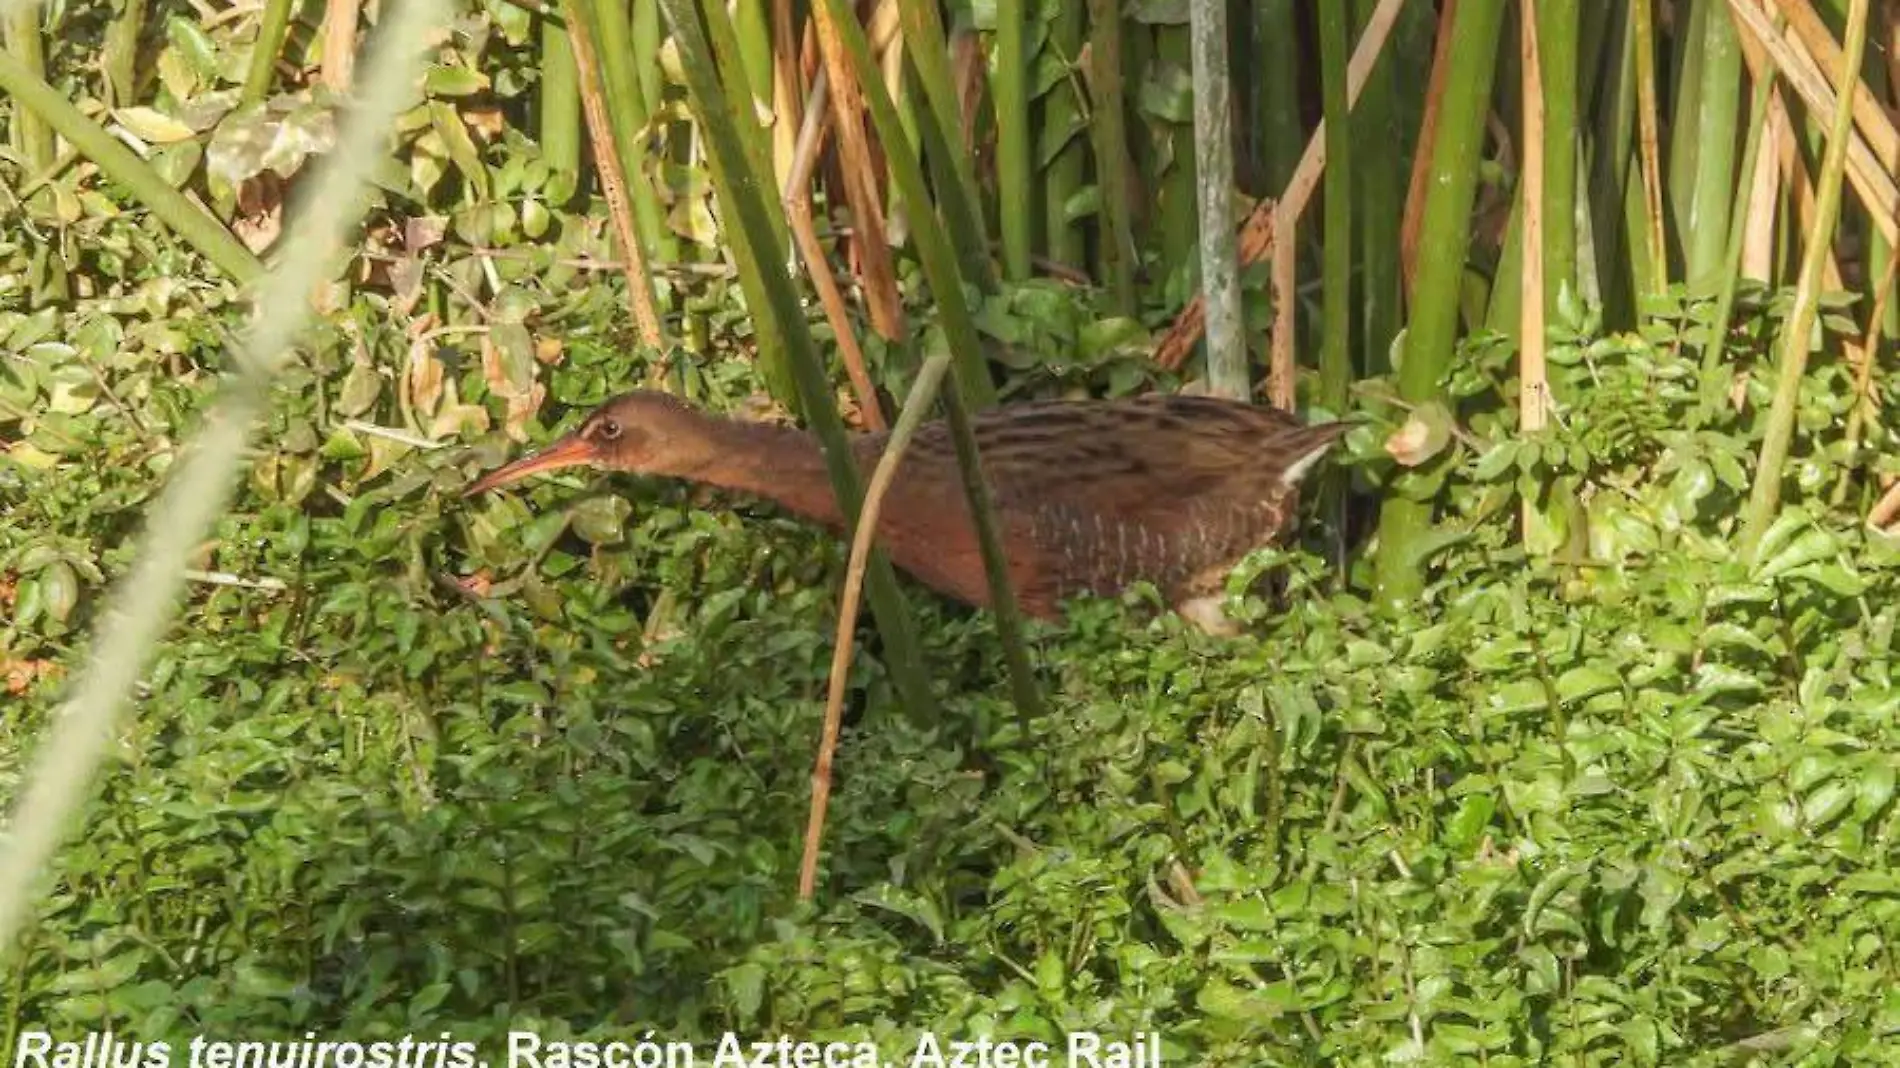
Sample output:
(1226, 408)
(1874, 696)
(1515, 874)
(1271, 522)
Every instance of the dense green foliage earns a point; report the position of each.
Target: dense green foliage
(1606, 793)
(1629, 804)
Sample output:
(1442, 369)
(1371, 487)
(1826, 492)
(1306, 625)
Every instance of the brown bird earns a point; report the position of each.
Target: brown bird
(1091, 495)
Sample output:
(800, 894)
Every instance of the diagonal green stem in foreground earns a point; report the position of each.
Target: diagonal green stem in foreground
(201, 483)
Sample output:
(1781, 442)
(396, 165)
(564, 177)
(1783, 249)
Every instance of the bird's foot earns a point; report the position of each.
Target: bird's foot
(1207, 614)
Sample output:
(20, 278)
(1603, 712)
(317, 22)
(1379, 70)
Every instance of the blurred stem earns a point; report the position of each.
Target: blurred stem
(1335, 356)
(1109, 129)
(1277, 135)
(1380, 207)
(1009, 93)
(1444, 239)
(764, 276)
(647, 37)
(32, 135)
(1557, 29)
(272, 28)
(559, 129)
(1062, 124)
(38, 148)
(121, 53)
(1712, 128)
(191, 222)
(1175, 214)
(1614, 190)
(1764, 496)
(989, 536)
(1214, 170)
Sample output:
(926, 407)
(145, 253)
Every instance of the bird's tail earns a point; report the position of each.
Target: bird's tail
(1303, 448)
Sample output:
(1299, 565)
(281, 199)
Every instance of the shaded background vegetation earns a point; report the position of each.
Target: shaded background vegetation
(1587, 754)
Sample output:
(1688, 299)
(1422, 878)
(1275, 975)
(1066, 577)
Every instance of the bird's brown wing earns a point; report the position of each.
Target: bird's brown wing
(1156, 488)
(1095, 495)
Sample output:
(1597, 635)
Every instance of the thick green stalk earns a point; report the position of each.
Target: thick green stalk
(1379, 211)
(188, 220)
(765, 277)
(121, 52)
(38, 148)
(1444, 239)
(1613, 190)
(1557, 29)
(1277, 137)
(1713, 127)
(1335, 354)
(1063, 143)
(32, 135)
(1765, 495)
(754, 26)
(1109, 130)
(971, 384)
(628, 109)
(1009, 91)
(559, 110)
(647, 37)
(1214, 195)
(273, 27)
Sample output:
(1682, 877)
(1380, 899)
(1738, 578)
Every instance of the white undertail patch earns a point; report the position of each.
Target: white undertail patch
(1298, 468)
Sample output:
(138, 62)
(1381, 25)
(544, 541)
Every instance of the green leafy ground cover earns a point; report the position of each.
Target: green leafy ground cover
(1630, 804)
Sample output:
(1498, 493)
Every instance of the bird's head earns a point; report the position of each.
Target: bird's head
(642, 432)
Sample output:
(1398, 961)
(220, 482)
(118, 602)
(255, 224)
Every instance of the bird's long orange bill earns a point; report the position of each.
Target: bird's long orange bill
(570, 451)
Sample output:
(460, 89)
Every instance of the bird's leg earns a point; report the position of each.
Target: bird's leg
(1200, 600)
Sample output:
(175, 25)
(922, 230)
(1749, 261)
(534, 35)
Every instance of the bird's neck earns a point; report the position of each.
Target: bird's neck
(779, 463)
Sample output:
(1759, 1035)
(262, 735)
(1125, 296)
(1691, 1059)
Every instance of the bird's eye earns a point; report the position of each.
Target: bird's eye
(609, 430)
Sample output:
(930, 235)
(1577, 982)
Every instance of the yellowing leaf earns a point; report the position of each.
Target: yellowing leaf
(153, 126)
(424, 377)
